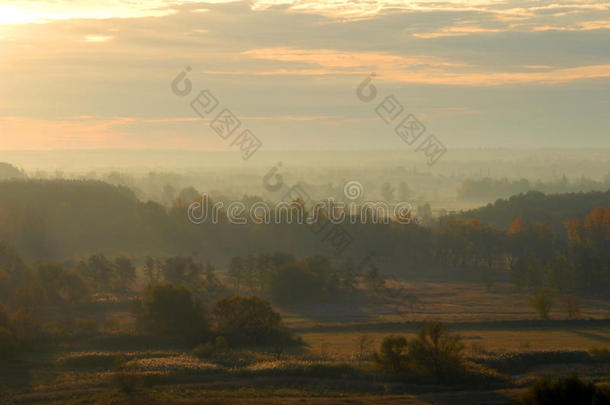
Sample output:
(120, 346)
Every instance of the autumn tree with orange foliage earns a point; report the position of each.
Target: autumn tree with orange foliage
(590, 247)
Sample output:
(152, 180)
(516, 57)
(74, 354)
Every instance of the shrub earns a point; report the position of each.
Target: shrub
(204, 350)
(542, 302)
(294, 284)
(249, 321)
(565, 391)
(172, 310)
(572, 307)
(392, 355)
(221, 344)
(436, 352)
(128, 382)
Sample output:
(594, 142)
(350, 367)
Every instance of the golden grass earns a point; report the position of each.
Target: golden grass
(344, 345)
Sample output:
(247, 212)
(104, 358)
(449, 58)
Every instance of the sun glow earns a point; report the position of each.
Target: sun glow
(12, 15)
(45, 11)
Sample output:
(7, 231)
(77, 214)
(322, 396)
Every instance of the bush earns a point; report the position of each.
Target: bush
(204, 350)
(392, 355)
(294, 284)
(207, 350)
(542, 303)
(572, 307)
(565, 391)
(128, 382)
(436, 352)
(172, 310)
(249, 321)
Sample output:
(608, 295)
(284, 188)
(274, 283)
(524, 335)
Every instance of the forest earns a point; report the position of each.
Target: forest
(149, 291)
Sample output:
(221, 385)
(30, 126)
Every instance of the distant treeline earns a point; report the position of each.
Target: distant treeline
(535, 206)
(58, 219)
(489, 189)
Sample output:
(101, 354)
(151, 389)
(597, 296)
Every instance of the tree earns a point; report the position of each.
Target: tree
(542, 302)
(571, 305)
(387, 192)
(435, 351)
(236, 271)
(527, 273)
(347, 275)
(101, 271)
(565, 391)
(374, 279)
(171, 309)
(189, 195)
(50, 279)
(152, 270)
(125, 272)
(393, 353)
(249, 272)
(74, 288)
(294, 284)
(404, 192)
(182, 270)
(29, 296)
(560, 273)
(10, 172)
(210, 281)
(425, 212)
(364, 343)
(249, 321)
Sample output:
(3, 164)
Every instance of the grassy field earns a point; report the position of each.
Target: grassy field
(331, 367)
(342, 345)
(440, 301)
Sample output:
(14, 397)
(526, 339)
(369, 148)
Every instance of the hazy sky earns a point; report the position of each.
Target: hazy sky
(97, 74)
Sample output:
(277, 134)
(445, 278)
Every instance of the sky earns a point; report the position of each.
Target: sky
(477, 74)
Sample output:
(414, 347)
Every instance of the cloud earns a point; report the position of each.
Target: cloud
(412, 69)
(456, 31)
(97, 38)
(25, 133)
(290, 67)
(342, 59)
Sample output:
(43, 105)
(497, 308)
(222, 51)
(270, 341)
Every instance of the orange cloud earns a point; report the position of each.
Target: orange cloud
(410, 70)
(87, 132)
(339, 59)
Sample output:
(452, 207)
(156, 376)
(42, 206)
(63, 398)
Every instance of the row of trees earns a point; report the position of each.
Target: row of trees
(434, 352)
(288, 281)
(241, 321)
(498, 235)
(584, 263)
